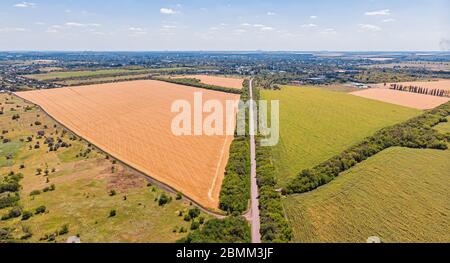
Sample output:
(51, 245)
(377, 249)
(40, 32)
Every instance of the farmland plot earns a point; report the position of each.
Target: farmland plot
(316, 124)
(402, 98)
(132, 122)
(226, 82)
(399, 195)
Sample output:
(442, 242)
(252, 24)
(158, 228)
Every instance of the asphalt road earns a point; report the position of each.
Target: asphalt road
(254, 212)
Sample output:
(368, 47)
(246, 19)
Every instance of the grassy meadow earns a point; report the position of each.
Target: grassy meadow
(316, 124)
(87, 187)
(399, 195)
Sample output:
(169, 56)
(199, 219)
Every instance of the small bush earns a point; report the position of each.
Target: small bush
(163, 199)
(40, 210)
(64, 230)
(35, 192)
(195, 225)
(112, 213)
(26, 215)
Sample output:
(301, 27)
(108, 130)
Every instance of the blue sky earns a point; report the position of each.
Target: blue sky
(366, 25)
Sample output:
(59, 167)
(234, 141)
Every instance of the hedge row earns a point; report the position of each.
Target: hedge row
(414, 133)
(196, 83)
(274, 225)
(235, 191)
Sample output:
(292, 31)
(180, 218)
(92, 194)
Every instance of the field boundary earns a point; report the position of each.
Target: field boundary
(149, 178)
(198, 85)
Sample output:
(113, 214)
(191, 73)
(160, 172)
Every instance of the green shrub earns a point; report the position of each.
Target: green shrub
(13, 213)
(35, 192)
(195, 225)
(194, 212)
(64, 230)
(112, 213)
(40, 210)
(163, 199)
(26, 215)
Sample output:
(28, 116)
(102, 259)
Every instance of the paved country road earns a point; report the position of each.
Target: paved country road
(254, 211)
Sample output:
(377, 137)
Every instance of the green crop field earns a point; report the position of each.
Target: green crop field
(97, 73)
(444, 127)
(316, 124)
(399, 195)
(88, 186)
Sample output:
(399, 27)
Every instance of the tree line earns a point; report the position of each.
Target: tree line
(235, 191)
(192, 82)
(417, 132)
(421, 90)
(274, 225)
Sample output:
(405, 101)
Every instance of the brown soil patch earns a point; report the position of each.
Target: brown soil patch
(403, 98)
(227, 82)
(132, 122)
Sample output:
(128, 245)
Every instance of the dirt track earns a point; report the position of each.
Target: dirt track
(132, 121)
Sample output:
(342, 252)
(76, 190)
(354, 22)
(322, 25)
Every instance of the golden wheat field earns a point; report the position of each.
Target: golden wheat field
(132, 122)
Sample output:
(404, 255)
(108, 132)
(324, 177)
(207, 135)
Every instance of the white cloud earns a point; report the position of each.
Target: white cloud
(258, 25)
(240, 31)
(214, 28)
(25, 5)
(308, 25)
(74, 24)
(313, 17)
(367, 27)
(168, 11)
(136, 29)
(168, 27)
(245, 24)
(388, 20)
(12, 29)
(271, 13)
(267, 28)
(329, 31)
(384, 12)
(39, 23)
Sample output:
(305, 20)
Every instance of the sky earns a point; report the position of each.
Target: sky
(225, 25)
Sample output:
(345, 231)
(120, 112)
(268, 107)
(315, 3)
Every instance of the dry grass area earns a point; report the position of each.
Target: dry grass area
(407, 99)
(227, 82)
(84, 180)
(132, 122)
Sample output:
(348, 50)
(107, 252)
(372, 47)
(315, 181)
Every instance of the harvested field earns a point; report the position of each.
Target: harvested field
(226, 82)
(403, 98)
(132, 122)
(437, 84)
